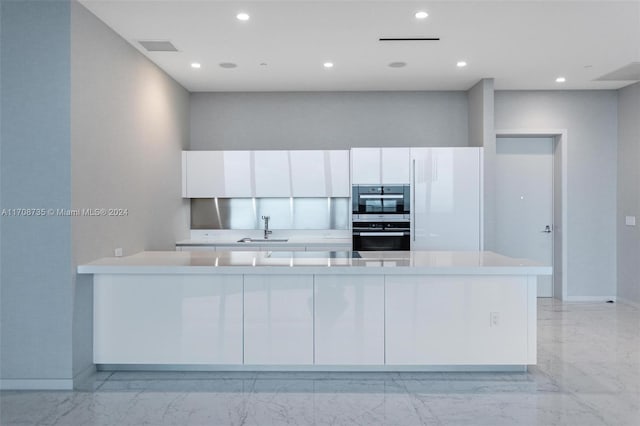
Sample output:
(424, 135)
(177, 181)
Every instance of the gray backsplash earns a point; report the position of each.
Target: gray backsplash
(285, 213)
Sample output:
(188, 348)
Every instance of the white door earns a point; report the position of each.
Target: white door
(524, 202)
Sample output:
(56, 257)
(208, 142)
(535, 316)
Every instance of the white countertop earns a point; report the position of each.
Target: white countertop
(309, 262)
(232, 241)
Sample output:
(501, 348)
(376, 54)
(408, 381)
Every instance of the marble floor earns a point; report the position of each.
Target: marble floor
(588, 373)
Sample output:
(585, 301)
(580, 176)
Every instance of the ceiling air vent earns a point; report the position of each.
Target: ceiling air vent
(158, 46)
(629, 72)
(409, 38)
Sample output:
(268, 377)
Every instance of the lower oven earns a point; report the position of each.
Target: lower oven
(381, 235)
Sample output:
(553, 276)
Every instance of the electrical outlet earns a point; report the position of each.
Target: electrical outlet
(630, 220)
(494, 319)
(118, 252)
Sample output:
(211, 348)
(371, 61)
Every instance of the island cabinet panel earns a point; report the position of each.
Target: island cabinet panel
(278, 323)
(457, 320)
(349, 320)
(167, 319)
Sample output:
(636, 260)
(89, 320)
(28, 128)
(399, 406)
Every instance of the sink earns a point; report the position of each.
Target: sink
(263, 240)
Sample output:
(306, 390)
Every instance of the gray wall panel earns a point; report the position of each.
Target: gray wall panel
(35, 277)
(629, 193)
(590, 118)
(321, 120)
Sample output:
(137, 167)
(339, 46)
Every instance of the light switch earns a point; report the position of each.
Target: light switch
(630, 220)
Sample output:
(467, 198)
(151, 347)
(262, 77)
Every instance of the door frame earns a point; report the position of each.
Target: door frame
(559, 244)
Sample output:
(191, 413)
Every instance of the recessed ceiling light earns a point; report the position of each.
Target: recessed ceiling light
(195, 65)
(560, 80)
(243, 16)
(328, 65)
(397, 64)
(461, 64)
(227, 65)
(421, 14)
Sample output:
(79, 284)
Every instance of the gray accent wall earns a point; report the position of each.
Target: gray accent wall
(327, 120)
(629, 193)
(129, 124)
(590, 118)
(87, 123)
(35, 276)
(482, 134)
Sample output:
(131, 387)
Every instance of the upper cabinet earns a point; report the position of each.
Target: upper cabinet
(237, 174)
(365, 166)
(370, 166)
(207, 174)
(395, 165)
(272, 173)
(319, 173)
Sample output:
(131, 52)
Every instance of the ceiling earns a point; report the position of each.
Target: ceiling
(282, 47)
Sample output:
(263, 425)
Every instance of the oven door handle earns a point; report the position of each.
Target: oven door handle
(382, 196)
(381, 234)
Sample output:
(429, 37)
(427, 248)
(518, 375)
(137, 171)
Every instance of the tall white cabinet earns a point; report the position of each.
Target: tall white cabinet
(445, 205)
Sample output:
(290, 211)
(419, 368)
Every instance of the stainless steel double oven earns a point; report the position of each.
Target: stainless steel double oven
(381, 217)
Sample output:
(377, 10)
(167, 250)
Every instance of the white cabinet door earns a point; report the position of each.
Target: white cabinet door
(278, 322)
(396, 166)
(208, 174)
(446, 320)
(308, 174)
(338, 167)
(446, 199)
(237, 174)
(349, 325)
(204, 174)
(272, 173)
(365, 166)
(167, 319)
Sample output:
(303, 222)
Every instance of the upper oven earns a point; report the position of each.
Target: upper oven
(381, 199)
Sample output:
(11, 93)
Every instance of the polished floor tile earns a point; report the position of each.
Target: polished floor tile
(588, 373)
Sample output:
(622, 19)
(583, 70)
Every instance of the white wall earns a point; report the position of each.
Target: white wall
(629, 193)
(129, 123)
(590, 118)
(333, 120)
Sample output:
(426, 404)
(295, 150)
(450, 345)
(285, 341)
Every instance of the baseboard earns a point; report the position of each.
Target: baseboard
(589, 298)
(84, 375)
(315, 368)
(629, 302)
(36, 384)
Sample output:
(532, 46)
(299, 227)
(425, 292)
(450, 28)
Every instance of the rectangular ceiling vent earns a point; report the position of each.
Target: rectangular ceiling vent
(409, 39)
(629, 72)
(158, 46)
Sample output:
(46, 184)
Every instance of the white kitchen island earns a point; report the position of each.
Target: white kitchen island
(418, 310)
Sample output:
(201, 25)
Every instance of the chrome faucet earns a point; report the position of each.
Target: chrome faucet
(266, 227)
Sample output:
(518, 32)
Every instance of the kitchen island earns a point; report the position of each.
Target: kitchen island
(419, 310)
